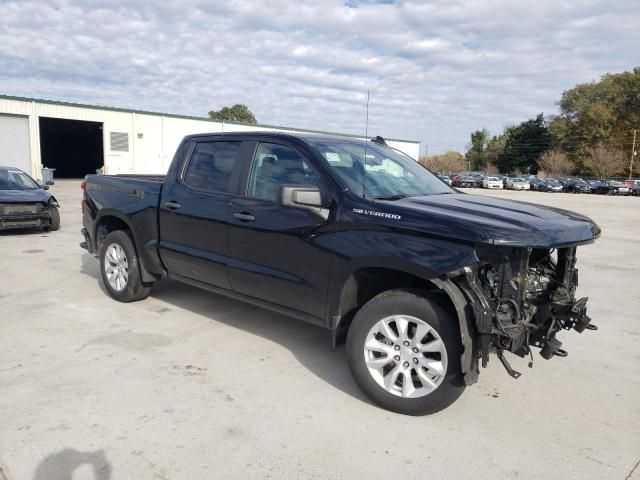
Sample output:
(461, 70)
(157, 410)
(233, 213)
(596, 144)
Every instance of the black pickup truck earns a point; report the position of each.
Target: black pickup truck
(354, 236)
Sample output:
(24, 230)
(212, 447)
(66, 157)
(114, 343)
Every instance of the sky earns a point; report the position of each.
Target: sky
(435, 70)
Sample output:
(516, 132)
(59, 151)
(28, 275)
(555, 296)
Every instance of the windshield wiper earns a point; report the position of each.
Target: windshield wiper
(390, 197)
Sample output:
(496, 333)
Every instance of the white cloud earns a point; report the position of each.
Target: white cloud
(436, 70)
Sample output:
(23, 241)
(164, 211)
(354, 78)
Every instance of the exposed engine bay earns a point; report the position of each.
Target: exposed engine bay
(522, 297)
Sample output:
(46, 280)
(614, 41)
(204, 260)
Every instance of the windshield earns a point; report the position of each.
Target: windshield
(494, 179)
(16, 180)
(389, 173)
(553, 181)
(518, 180)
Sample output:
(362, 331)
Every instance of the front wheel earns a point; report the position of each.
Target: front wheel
(120, 268)
(54, 221)
(403, 350)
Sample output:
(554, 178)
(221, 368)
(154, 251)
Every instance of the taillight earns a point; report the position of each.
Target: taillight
(83, 186)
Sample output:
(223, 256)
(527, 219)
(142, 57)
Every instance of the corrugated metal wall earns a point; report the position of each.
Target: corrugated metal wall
(151, 138)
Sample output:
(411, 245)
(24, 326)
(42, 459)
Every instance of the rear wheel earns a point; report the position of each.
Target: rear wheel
(404, 352)
(120, 268)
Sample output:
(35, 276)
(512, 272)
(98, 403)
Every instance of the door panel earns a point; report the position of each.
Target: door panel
(194, 213)
(272, 248)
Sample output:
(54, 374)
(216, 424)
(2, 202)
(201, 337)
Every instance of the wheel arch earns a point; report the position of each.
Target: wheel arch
(365, 282)
(107, 222)
(110, 221)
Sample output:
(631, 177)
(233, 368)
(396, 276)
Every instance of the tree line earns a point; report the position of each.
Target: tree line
(591, 136)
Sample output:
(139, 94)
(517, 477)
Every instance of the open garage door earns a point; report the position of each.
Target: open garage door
(14, 142)
(73, 147)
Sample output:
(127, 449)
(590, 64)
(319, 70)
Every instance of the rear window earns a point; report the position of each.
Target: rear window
(211, 166)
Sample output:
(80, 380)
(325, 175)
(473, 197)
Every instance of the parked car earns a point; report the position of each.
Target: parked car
(464, 181)
(492, 182)
(445, 179)
(517, 184)
(550, 185)
(24, 203)
(634, 186)
(613, 187)
(454, 178)
(536, 184)
(381, 252)
(594, 185)
(479, 176)
(576, 185)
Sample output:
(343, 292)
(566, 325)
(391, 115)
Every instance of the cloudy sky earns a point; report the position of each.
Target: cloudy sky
(436, 70)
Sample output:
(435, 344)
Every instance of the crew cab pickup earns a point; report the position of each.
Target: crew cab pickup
(423, 281)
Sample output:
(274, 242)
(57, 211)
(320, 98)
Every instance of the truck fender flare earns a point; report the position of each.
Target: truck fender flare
(144, 273)
(468, 360)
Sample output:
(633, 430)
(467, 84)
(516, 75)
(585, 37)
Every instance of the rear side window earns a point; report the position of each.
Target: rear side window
(211, 166)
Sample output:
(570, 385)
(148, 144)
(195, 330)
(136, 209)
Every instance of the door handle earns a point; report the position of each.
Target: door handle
(172, 205)
(244, 217)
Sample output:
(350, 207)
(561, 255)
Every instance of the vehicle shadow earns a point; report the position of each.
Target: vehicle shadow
(310, 345)
(89, 266)
(61, 465)
(18, 232)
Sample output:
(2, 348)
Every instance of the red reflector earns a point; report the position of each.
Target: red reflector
(83, 185)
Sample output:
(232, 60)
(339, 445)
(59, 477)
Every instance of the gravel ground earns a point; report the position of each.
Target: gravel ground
(190, 385)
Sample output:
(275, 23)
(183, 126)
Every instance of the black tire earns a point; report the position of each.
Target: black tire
(54, 223)
(412, 303)
(135, 289)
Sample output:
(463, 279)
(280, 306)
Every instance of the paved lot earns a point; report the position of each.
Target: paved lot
(190, 385)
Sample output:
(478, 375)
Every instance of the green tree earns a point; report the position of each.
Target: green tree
(524, 144)
(477, 150)
(604, 112)
(236, 113)
(495, 149)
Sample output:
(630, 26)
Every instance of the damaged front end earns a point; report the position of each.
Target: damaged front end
(521, 298)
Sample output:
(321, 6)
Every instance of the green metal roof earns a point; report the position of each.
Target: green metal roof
(188, 117)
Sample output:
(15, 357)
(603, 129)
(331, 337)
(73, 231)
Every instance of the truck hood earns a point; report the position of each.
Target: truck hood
(482, 219)
(24, 196)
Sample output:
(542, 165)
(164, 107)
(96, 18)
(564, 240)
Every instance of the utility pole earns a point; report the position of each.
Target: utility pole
(633, 153)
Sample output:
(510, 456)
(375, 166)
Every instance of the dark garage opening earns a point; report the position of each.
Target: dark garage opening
(72, 147)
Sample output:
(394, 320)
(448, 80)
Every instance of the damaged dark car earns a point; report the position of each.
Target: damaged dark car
(424, 282)
(24, 203)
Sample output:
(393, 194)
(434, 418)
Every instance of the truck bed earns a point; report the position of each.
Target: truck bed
(132, 198)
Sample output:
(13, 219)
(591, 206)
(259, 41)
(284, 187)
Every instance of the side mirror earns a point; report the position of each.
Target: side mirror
(304, 197)
(44, 187)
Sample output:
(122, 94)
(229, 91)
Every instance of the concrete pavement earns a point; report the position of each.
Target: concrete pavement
(190, 385)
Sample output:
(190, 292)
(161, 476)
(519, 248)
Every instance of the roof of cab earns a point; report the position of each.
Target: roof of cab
(277, 135)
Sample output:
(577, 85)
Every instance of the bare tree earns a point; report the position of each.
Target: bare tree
(490, 169)
(605, 161)
(554, 162)
(449, 162)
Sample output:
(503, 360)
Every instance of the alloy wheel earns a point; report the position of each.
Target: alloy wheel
(116, 267)
(405, 356)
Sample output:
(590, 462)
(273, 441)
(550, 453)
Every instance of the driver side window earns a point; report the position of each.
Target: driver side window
(274, 166)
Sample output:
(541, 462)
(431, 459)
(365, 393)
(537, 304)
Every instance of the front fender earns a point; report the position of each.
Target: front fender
(423, 257)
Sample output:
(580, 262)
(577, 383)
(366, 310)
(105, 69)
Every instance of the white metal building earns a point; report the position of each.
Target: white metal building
(78, 139)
